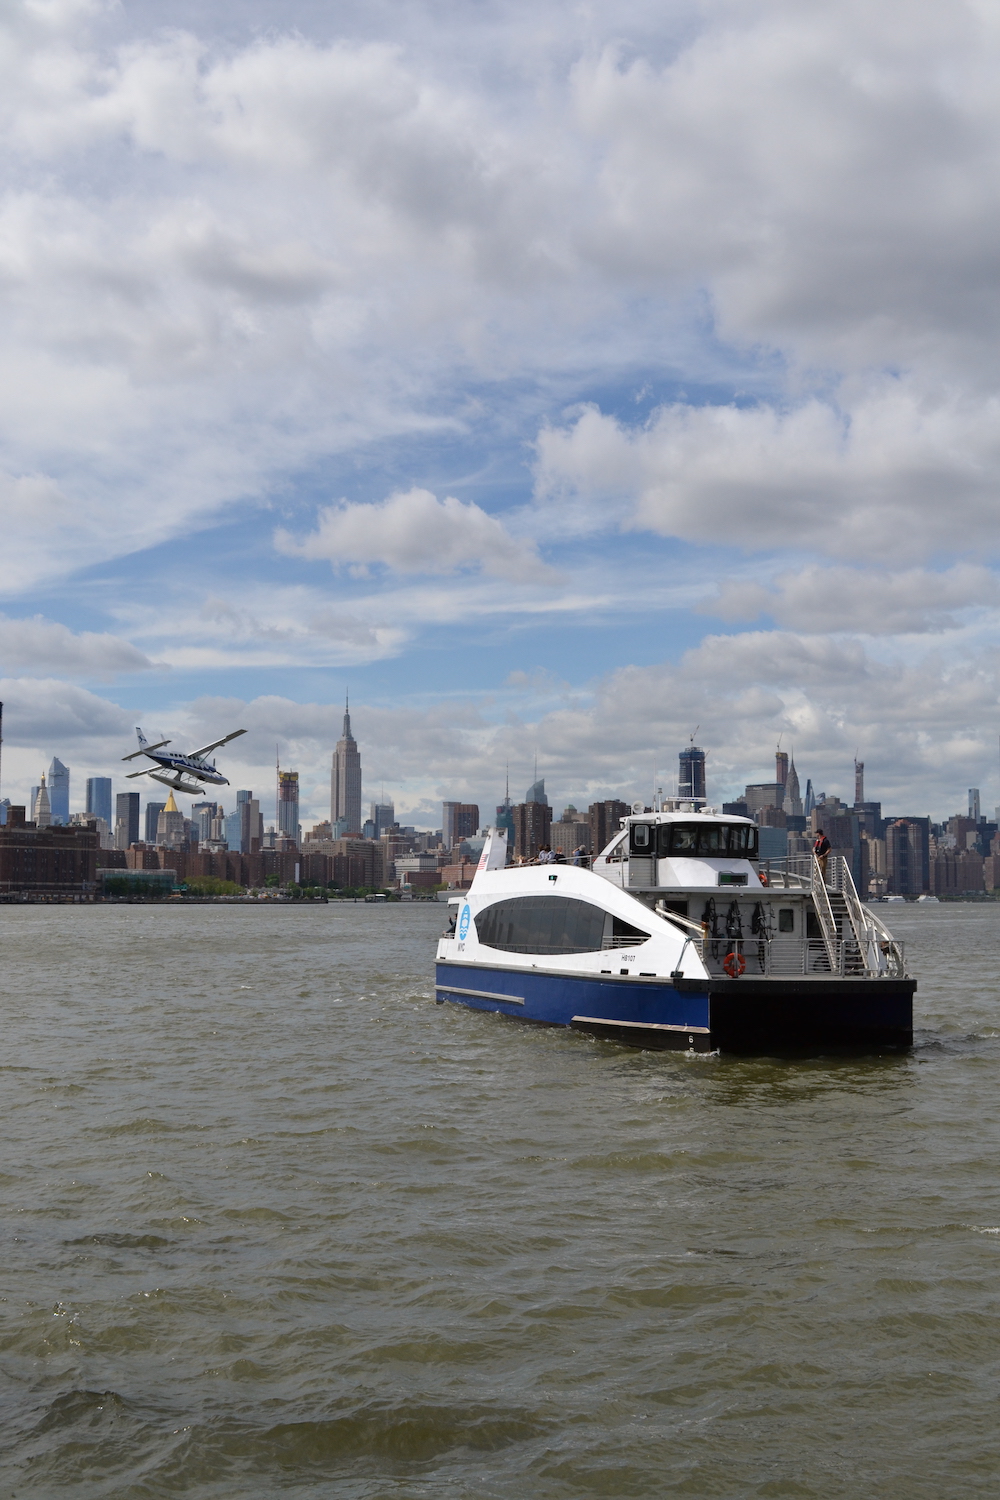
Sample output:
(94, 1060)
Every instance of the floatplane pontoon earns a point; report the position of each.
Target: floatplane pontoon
(677, 937)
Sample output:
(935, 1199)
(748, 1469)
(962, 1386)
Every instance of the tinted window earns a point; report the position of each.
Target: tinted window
(552, 925)
(712, 840)
(642, 837)
(786, 919)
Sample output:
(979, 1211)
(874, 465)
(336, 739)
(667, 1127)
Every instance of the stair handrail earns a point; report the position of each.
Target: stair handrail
(824, 911)
(865, 934)
(889, 948)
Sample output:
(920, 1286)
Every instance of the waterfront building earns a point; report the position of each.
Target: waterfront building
(907, 856)
(459, 820)
(958, 872)
(59, 792)
(49, 861)
(288, 805)
(170, 830)
(345, 780)
(691, 774)
(99, 798)
(153, 810)
(41, 810)
(126, 819)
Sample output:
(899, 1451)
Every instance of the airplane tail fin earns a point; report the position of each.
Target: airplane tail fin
(143, 742)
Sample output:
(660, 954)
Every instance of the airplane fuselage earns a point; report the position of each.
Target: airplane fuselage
(190, 765)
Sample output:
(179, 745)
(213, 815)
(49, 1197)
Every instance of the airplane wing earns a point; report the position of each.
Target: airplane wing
(197, 754)
(146, 749)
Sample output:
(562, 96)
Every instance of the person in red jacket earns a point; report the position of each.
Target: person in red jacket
(821, 849)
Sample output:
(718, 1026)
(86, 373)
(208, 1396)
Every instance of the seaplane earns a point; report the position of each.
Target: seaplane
(170, 767)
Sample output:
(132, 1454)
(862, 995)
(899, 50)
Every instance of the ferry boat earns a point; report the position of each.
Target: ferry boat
(678, 936)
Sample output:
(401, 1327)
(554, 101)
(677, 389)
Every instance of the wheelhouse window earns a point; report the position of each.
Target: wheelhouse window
(708, 840)
(643, 838)
(553, 925)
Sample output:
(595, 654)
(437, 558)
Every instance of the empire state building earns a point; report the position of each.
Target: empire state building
(345, 780)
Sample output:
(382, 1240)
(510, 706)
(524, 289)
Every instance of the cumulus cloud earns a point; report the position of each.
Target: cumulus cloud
(222, 264)
(414, 532)
(46, 646)
(899, 474)
(856, 600)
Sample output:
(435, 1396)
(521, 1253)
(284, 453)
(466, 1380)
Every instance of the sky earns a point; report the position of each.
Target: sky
(560, 380)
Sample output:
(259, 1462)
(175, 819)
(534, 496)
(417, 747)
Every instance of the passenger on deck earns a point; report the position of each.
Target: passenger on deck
(821, 849)
(580, 855)
(545, 855)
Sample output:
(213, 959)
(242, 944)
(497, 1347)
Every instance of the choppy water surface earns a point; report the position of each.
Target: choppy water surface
(275, 1224)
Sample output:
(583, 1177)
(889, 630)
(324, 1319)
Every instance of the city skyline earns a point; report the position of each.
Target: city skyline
(288, 808)
(563, 416)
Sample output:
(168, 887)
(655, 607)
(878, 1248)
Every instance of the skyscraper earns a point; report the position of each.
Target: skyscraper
(505, 818)
(41, 812)
(691, 774)
(59, 792)
(288, 804)
(99, 798)
(382, 815)
(170, 825)
(781, 767)
(153, 810)
(345, 780)
(974, 808)
(793, 799)
(126, 819)
(459, 820)
(859, 782)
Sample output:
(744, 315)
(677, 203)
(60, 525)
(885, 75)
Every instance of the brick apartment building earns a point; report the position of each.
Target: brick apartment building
(57, 861)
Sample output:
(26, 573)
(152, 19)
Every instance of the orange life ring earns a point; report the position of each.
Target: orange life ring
(734, 964)
(762, 877)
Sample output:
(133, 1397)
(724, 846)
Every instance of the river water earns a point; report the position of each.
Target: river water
(275, 1224)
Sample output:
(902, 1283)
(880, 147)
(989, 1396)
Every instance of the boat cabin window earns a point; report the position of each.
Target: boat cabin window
(786, 919)
(643, 837)
(711, 840)
(553, 925)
